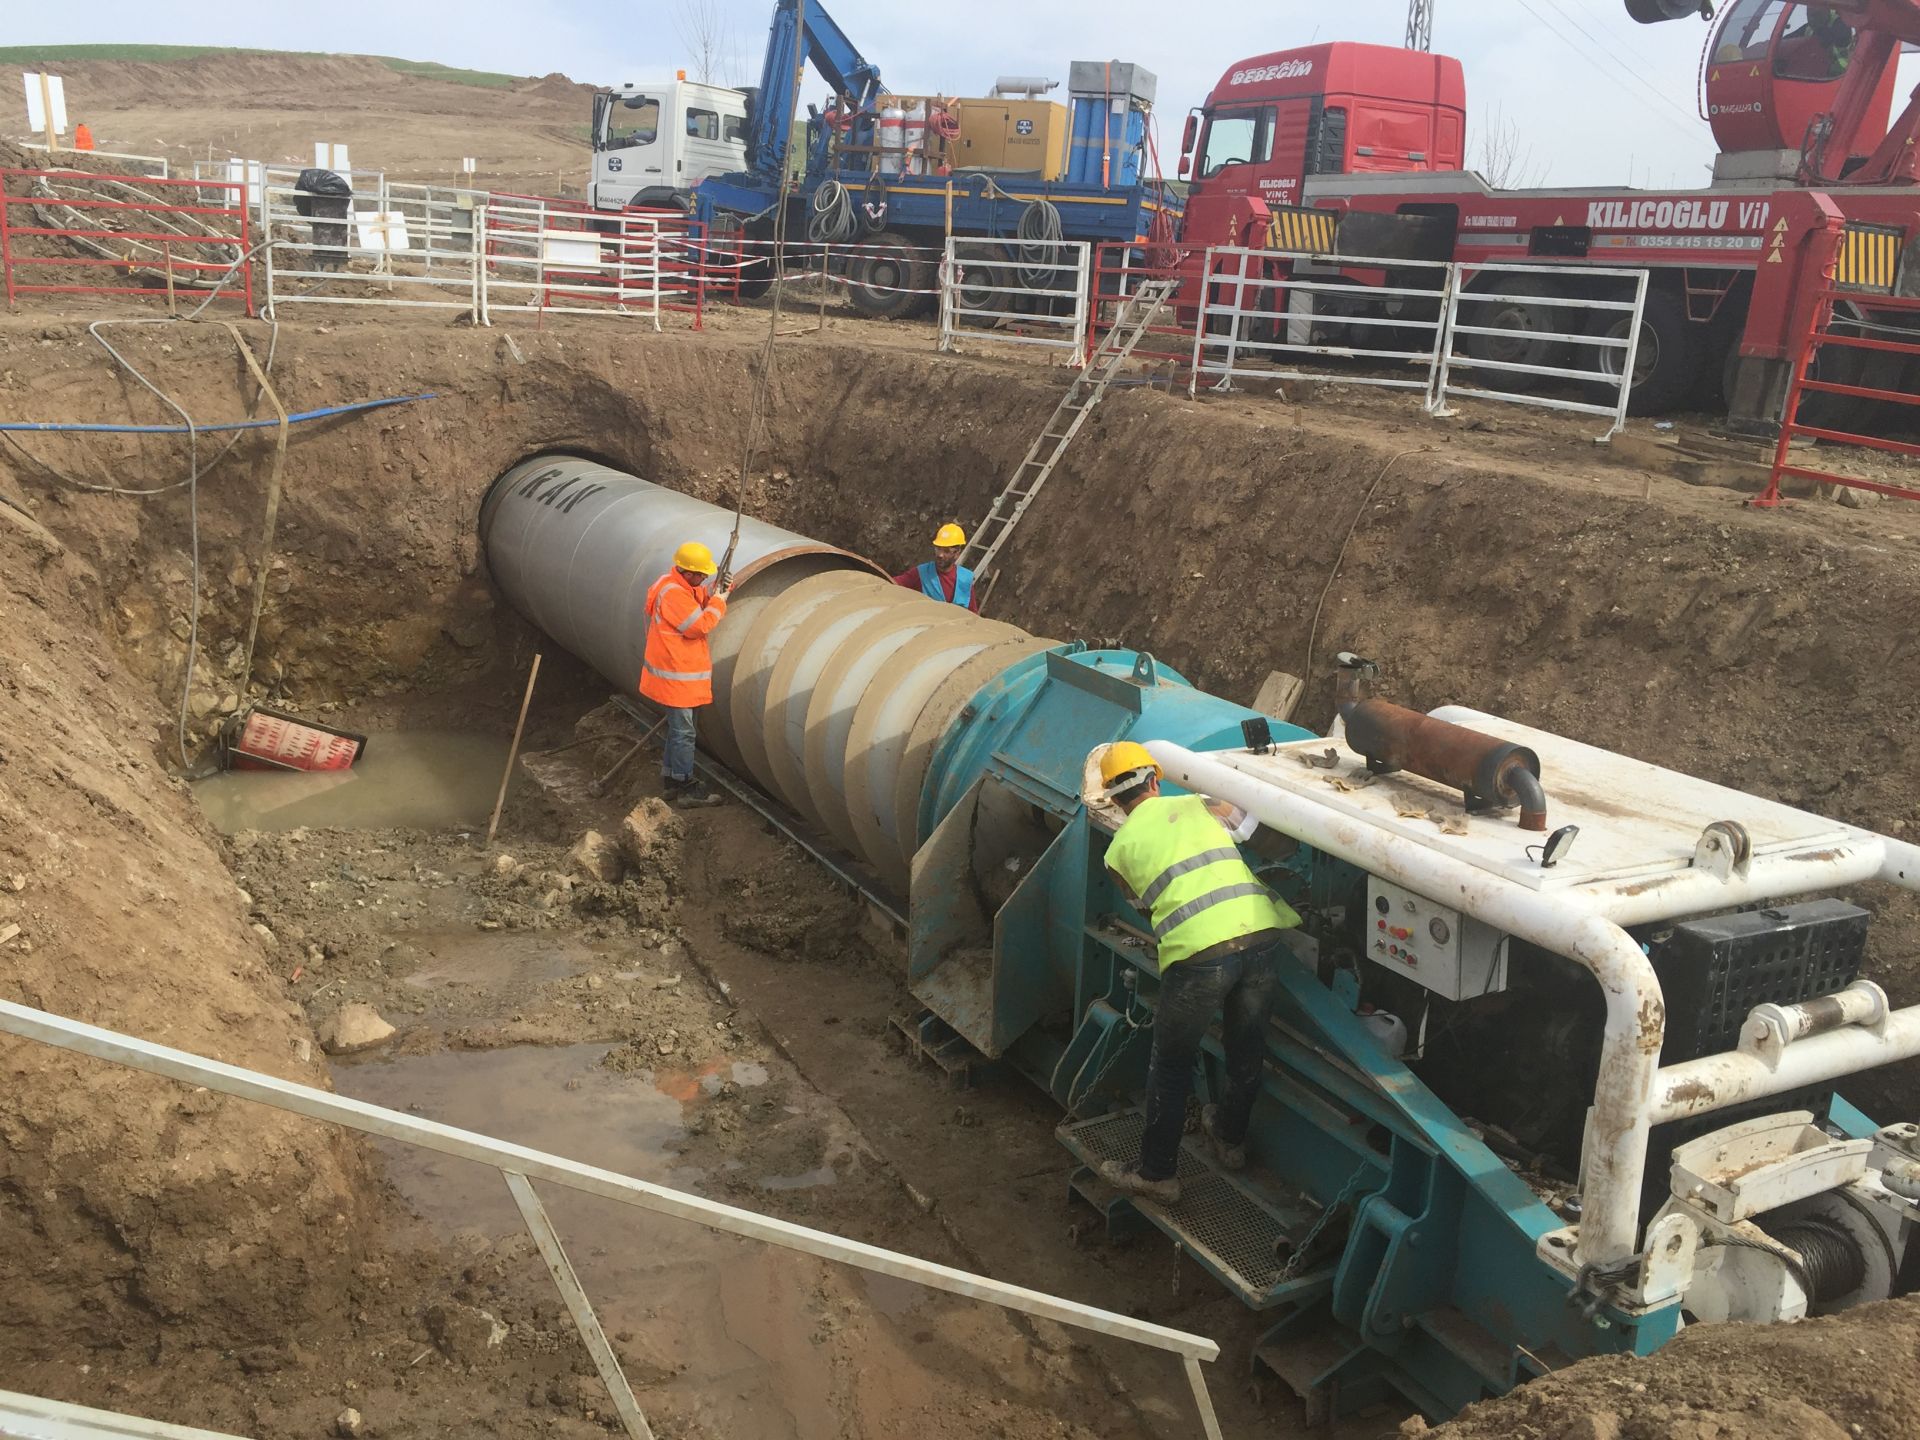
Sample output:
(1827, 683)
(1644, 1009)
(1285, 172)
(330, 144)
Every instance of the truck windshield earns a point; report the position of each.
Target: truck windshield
(632, 121)
(1237, 137)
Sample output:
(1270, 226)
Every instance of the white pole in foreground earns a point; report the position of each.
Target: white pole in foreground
(358, 1115)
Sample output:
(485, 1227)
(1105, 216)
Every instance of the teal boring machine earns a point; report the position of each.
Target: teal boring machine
(1552, 1073)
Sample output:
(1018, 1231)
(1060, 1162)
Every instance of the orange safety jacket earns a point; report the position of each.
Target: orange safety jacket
(677, 670)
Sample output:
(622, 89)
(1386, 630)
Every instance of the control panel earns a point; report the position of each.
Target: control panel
(1454, 956)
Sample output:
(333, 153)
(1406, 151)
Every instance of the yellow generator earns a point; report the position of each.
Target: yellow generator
(998, 134)
(1024, 135)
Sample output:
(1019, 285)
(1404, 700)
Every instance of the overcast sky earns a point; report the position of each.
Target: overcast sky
(1595, 98)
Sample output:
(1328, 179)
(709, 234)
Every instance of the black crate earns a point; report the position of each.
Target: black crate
(1714, 971)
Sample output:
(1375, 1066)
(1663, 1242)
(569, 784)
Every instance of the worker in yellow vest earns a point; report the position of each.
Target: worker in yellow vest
(1217, 931)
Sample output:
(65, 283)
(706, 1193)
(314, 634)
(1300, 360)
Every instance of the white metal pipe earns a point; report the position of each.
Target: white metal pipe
(226, 1079)
(1713, 1082)
(32, 1416)
(1616, 1149)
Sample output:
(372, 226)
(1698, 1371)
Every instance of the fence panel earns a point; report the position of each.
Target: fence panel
(546, 258)
(161, 235)
(1120, 267)
(1862, 335)
(1611, 357)
(1258, 312)
(330, 250)
(980, 281)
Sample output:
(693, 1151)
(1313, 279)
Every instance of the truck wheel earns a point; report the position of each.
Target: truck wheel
(1666, 367)
(887, 278)
(982, 288)
(1523, 321)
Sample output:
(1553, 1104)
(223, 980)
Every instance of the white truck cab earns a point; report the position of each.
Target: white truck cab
(653, 143)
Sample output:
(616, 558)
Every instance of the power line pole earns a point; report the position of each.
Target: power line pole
(1419, 24)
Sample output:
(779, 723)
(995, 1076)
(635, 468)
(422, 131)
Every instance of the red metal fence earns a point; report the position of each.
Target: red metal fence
(1859, 338)
(161, 237)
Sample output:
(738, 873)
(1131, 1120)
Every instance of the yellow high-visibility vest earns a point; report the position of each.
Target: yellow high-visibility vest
(1187, 873)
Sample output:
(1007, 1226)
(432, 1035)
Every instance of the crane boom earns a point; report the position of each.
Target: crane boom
(1419, 24)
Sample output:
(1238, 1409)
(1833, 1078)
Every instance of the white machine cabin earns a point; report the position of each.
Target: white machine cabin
(652, 143)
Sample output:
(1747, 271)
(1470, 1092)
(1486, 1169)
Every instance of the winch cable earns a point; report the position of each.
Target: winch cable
(763, 383)
(1313, 630)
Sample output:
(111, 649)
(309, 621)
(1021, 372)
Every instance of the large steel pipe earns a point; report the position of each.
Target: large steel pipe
(831, 685)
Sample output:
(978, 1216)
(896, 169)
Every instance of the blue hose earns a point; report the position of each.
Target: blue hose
(57, 425)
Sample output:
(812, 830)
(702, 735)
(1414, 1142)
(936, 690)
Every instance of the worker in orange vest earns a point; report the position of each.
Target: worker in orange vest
(82, 138)
(677, 672)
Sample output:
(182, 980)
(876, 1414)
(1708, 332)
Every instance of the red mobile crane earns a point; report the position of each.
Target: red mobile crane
(1799, 98)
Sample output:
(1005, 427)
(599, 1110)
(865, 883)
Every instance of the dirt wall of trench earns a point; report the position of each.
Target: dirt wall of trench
(1509, 566)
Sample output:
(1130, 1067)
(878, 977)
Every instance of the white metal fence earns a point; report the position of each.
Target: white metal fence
(345, 253)
(1610, 354)
(1262, 308)
(982, 280)
(520, 1166)
(538, 259)
(1261, 312)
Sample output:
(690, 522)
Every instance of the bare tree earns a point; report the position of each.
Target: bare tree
(705, 31)
(1503, 157)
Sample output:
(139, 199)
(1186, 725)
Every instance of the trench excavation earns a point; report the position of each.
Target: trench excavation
(490, 972)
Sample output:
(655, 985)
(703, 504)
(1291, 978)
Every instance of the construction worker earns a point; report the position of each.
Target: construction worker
(1821, 48)
(944, 577)
(677, 672)
(82, 137)
(1218, 933)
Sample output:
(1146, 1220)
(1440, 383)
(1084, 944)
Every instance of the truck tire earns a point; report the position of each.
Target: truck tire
(888, 278)
(982, 288)
(1666, 368)
(1525, 319)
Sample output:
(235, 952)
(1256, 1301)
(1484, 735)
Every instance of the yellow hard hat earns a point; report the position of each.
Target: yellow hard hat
(1122, 766)
(949, 537)
(695, 557)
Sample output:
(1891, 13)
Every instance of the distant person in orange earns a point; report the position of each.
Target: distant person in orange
(82, 138)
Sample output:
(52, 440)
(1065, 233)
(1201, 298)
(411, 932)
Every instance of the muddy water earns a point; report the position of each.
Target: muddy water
(729, 1328)
(417, 779)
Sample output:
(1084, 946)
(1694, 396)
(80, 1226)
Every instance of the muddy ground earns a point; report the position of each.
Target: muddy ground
(214, 1264)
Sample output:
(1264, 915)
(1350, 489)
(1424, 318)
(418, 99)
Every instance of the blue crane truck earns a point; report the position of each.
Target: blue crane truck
(885, 179)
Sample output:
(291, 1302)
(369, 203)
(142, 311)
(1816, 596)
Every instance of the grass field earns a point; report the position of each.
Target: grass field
(54, 54)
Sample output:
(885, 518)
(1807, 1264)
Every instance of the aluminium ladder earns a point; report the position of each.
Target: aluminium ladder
(1130, 323)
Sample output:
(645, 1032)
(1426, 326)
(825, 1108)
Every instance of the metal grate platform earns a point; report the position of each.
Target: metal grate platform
(1237, 1230)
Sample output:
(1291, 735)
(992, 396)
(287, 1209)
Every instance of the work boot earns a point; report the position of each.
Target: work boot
(1231, 1157)
(690, 794)
(1127, 1179)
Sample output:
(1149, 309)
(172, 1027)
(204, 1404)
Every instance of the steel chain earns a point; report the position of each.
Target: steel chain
(1118, 1053)
(1301, 1251)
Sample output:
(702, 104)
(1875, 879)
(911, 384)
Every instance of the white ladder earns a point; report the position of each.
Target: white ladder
(1130, 322)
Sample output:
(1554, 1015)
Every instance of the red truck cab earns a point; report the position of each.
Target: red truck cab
(1341, 108)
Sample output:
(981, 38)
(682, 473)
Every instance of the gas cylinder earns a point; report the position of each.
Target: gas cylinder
(892, 138)
(915, 138)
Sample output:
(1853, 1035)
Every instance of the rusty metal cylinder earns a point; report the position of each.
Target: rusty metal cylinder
(1487, 770)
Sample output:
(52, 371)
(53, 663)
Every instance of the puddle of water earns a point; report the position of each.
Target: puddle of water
(418, 779)
(738, 1322)
(805, 1180)
(450, 958)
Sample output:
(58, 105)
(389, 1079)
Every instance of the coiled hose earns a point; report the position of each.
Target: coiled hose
(834, 221)
(1040, 233)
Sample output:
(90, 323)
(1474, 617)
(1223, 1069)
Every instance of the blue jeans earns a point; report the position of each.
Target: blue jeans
(676, 756)
(1243, 985)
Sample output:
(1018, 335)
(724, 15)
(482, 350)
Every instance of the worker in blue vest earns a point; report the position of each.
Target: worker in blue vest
(944, 577)
(1217, 934)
